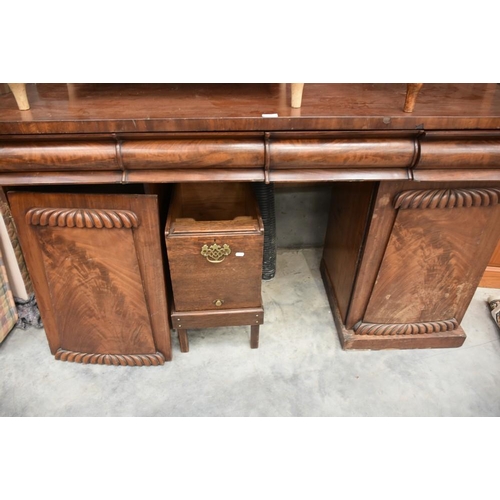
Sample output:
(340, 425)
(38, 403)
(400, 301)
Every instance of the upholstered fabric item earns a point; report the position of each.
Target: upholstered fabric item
(8, 311)
(11, 229)
(494, 304)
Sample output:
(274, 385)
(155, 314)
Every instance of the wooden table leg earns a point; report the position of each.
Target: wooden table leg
(297, 90)
(412, 90)
(254, 336)
(183, 339)
(19, 91)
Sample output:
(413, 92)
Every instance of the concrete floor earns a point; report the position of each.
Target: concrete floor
(298, 370)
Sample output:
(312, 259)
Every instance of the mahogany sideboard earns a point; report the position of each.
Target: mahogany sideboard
(414, 217)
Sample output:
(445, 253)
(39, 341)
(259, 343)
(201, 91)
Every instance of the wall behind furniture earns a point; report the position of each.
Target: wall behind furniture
(301, 214)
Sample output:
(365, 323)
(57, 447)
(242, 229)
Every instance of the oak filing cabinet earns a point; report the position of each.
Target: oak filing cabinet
(214, 236)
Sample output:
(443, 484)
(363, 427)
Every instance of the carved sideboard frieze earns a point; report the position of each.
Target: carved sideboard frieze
(155, 359)
(82, 218)
(405, 328)
(447, 198)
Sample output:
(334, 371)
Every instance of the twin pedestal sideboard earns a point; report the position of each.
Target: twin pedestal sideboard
(414, 216)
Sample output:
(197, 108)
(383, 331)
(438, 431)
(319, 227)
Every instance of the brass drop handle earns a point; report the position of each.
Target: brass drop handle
(215, 253)
(218, 302)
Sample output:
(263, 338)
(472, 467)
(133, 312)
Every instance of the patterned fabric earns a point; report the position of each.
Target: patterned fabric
(8, 312)
(11, 230)
(495, 310)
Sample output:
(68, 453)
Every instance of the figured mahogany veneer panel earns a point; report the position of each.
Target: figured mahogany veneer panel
(57, 155)
(194, 152)
(348, 152)
(407, 278)
(438, 248)
(114, 317)
(96, 266)
(171, 157)
(448, 152)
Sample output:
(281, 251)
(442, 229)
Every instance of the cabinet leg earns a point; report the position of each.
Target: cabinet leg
(183, 339)
(254, 336)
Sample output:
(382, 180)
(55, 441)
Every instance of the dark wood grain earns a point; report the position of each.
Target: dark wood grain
(57, 155)
(218, 204)
(215, 240)
(347, 223)
(94, 266)
(198, 283)
(446, 175)
(254, 336)
(374, 245)
(331, 152)
(182, 321)
(273, 157)
(471, 153)
(111, 359)
(433, 263)
(104, 108)
(194, 152)
(105, 134)
(183, 339)
(91, 290)
(421, 260)
(339, 174)
(41, 178)
(352, 341)
(395, 329)
(209, 319)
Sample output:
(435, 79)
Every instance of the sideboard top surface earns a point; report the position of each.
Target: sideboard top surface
(129, 108)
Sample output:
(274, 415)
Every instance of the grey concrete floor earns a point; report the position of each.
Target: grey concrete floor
(298, 370)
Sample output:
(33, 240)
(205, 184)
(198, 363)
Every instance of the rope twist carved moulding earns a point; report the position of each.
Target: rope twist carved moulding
(405, 328)
(82, 218)
(111, 359)
(447, 198)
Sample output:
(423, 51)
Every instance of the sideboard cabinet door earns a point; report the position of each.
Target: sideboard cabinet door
(96, 264)
(402, 261)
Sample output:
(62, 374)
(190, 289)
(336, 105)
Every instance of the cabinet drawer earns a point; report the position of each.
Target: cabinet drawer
(201, 282)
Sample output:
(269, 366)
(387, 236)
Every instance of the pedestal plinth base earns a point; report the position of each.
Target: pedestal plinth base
(452, 336)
